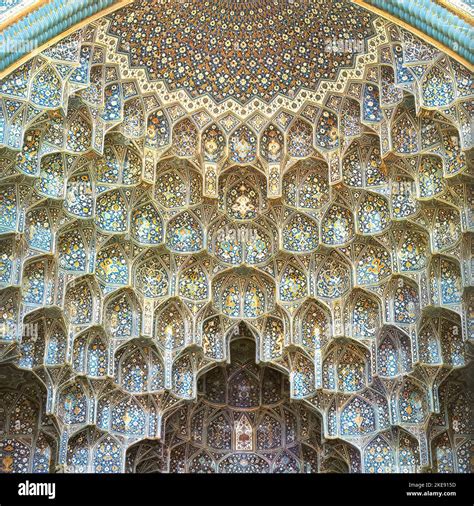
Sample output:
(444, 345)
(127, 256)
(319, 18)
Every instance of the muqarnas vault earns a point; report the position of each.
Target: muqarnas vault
(230, 244)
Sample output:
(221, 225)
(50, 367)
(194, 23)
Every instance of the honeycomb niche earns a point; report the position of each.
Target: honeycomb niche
(207, 266)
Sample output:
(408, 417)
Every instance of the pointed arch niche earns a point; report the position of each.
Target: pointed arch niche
(242, 422)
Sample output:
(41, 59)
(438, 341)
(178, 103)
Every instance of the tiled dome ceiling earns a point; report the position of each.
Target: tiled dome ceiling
(241, 50)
